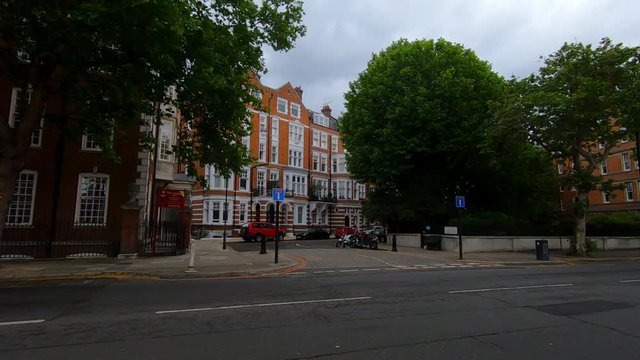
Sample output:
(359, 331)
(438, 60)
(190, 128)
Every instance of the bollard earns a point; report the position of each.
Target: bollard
(263, 246)
(192, 257)
(394, 246)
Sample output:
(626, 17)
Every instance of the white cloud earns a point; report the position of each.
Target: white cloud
(510, 34)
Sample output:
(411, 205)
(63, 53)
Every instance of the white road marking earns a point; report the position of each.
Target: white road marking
(350, 270)
(324, 271)
(302, 246)
(23, 322)
(296, 273)
(630, 281)
(374, 258)
(370, 269)
(230, 307)
(392, 269)
(508, 288)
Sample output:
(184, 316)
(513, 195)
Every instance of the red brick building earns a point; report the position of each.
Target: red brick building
(620, 167)
(295, 149)
(68, 198)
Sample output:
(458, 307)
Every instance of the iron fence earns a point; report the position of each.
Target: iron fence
(64, 240)
(164, 238)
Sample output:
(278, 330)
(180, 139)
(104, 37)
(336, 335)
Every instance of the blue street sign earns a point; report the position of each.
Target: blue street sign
(278, 194)
(460, 202)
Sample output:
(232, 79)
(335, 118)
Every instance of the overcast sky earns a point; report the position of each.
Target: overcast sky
(509, 34)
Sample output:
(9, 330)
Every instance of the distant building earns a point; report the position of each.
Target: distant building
(295, 149)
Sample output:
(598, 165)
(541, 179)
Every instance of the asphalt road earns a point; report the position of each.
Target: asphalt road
(581, 312)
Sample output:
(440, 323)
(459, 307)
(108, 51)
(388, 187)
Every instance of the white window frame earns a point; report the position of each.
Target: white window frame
(296, 157)
(296, 134)
(628, 191)
(315, 162)
(36, 136)
(215, 180)
(604, 170)
(244, 175)
(316, 138)
(560, 168)
(262, 126)
(299, 217)
(165, 143)
(213, 206)
(77, 216)
(89, 143)
(262, 150)
(626, 161)
(334, 144)
(275, 128)
(275, 152)
(282, 105)
(22, 199)
(324, 140)
(324, 163)
(261, 182)
(606, 197)
(242, 213)
(296, 113)
(296, 183)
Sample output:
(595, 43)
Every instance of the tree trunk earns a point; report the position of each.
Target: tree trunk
(579, 243)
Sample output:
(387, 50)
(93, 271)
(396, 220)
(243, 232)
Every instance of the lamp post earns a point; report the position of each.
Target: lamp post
(225, 214)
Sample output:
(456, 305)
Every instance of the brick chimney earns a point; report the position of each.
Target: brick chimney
(299, 91)
(326, 111)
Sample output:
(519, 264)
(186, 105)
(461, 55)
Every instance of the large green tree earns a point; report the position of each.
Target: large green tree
(414, 123)
(572, 109)
(109, 61)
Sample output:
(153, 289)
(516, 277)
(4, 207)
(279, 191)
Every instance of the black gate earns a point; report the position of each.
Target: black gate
(66, 240)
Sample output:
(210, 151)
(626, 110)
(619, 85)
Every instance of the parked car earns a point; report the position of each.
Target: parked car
(256, 231)
(377, 230)
(343, 230)
(317, 233)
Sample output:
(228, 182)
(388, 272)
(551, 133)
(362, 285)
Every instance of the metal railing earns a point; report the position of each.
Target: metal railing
(64, 240)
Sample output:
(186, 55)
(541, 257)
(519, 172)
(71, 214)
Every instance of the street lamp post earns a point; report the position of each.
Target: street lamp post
(226, 213)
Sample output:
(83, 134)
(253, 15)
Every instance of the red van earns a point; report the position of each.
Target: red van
(256, 231)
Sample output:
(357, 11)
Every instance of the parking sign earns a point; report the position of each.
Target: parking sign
(460, 202)
(278, 194)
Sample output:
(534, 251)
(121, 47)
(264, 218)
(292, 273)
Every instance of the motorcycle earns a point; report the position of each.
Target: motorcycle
(364, 239)
(345, 240)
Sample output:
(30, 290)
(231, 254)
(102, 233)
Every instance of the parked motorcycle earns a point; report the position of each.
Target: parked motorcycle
(345, 240)
(364, 239)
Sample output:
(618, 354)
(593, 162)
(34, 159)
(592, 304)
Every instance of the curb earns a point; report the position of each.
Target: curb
(129, 275)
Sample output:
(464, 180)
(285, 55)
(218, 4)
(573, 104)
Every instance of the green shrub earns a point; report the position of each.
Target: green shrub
(592, 245)
(614, 224)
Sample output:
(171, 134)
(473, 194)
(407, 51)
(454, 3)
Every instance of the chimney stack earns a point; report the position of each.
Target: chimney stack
(326, 111)
(299, 91)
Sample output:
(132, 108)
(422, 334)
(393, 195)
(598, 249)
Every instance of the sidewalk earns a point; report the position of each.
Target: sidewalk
(211, 261)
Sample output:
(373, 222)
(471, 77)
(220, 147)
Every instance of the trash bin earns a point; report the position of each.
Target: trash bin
(542, 250)
(434, 242)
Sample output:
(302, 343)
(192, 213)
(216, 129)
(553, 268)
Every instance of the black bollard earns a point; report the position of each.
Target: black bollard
(263, 246)
(394, 246)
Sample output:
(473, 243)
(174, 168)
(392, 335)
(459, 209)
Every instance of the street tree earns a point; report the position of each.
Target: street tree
(414, 122)
(572, 110)
(109, 62)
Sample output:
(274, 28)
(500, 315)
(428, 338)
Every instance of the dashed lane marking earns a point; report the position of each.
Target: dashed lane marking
(244, 306)
(22, 322)
(508, 288)
(630, 281)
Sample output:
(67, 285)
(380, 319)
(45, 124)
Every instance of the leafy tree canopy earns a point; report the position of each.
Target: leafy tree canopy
(575, 109)
(108, 61)
(414, 122)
